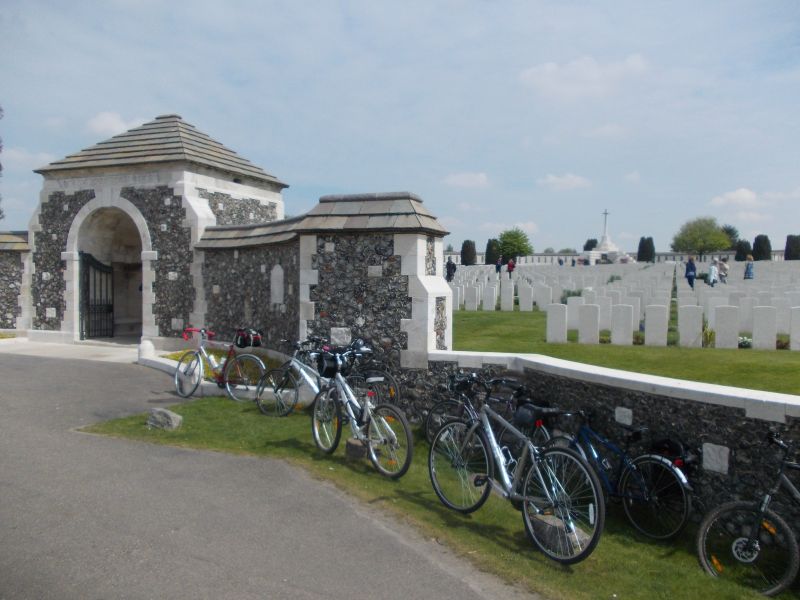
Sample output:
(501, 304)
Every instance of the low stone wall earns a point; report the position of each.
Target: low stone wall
(728, 425)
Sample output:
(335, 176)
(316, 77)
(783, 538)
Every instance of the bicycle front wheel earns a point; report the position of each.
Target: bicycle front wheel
(655, 498)
(440, 413)
(242, 374)
(757, 550)
(389, 442)
(188, 374)
(460, 467)
(563, 510)
(326, 421)
(277, 393)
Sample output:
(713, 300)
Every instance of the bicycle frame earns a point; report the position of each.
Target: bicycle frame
(218, 371)
(783, 482)
(308, 374)
(358, 422)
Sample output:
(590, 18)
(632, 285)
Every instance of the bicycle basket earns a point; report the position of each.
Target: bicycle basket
(255, 337)
(326, 364)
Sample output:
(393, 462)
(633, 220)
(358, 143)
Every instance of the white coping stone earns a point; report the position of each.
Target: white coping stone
(542, 295)
(726, 333)
(622, 324)
(716, 458)
(615, 295)
(556, 323)
(589, 324)
(573, 304)
(507, 298)
(375, 271)
(623, 415)
(656, 320)
(525, 298)
(794, 334)
(471, 295)
(746, 306)
(489, 298)
(604, 302)
(340, 336)
(765, 328)
(690, 326)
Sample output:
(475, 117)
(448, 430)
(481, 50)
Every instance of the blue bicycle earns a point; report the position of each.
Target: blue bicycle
(655, 494)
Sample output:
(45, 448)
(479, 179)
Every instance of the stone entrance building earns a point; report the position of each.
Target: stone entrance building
(161, 227)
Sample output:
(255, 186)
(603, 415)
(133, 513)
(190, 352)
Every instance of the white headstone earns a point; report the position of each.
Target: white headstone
(525, 297)
(471, 298)
(690, 326)
(489, 298)
(726, 332)
(746, 306)
(556, 323)
(507, 297)
(765, 327)
(656, 319)
(542, 295)
(589, 324)
(622, 324)
(573, 304)
(604, 302)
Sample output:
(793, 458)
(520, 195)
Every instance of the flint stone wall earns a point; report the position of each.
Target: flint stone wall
(369, 302)
(430, 256)
(237, 290)
(238, 211)
(440, 323)
(10, 286)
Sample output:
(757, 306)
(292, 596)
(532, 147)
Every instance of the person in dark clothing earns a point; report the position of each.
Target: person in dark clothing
(449, 269)
(691, 272)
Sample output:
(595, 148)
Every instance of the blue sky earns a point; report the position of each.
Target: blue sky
(498, 114)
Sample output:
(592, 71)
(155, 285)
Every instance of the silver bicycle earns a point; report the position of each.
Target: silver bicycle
(382, 428)
(279, 389)
(562, 503)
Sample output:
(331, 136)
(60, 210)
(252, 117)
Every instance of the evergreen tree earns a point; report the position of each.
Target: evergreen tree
(590, 244)
(492, 251)
(641, 252)
(743, 248)
(762, 249)
(468, 254)
(792, 249)
(651, 249)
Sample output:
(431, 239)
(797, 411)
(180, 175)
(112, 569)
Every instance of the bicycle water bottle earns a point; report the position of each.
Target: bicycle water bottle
(212, 360)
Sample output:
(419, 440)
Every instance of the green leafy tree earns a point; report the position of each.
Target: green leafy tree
(514, 242)
(700, 236)
(792, 249)
(743, 248)
(567, 251)
(468, 254)
(549, 250)
(762, 249)
(492, 251)
(733, 235)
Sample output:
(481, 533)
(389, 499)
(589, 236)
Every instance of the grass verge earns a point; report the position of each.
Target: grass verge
(624, 565)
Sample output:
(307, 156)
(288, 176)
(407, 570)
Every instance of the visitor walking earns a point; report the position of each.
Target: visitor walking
(748, 267)
(723, 270)
(510, 266)
(713, 273)
(450, 269)
(498, 265)
(691, 272)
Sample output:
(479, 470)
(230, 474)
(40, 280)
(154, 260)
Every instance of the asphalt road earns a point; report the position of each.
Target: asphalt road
(91, 517)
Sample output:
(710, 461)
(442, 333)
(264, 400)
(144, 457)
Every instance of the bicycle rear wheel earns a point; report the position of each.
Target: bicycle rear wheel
(654, 497)
(563, 511)
(389, 442)
(277, 393)
(757, 550)
(460, 467)
(326, 420)
(439, 414)
(387, 389)
(242, 374)
(188, 374)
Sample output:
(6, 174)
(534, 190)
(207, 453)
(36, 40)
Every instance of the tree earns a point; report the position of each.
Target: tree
(492, 251)
(733, 235)
(567, 251)
(700, 236)
(590, 244)
(792, 249)
(743, 248)
(549, 250)
(449, 248)
(514, 242)
(762, 249)
(647, 250)
(468, 255)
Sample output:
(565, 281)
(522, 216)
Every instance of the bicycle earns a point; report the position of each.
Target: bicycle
(364, 364)
(278, 389)
(655, 494)
(238, 374)
(381, 427)
(562, 504)
(749, 543)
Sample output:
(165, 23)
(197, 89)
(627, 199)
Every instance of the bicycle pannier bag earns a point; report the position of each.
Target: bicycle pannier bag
(326, 365)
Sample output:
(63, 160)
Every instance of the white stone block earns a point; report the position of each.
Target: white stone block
(375, 271)
(556, 323)
(764, 298)
(656, 320)
(573, 305)
(735, 298)
(589, 297)
(340, 336)
(622, 324)
(50, 312)
(690, 326)
(765, 329)
(623, 415)
(716, 458)
(726, 332)
(589, 324)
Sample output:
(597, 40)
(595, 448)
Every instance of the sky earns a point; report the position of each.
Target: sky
(498, 114)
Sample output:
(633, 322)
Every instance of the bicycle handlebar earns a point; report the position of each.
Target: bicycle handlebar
(202, 331)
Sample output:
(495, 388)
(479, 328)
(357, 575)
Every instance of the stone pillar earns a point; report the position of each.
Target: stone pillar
(765, 328)
(149, 327)
(622, 324)
(556, 323)
(656, 320)
(690, 326)
(589, 324)
(726, 333)
(72, 295)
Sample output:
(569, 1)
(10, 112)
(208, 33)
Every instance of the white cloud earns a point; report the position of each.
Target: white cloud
(560, 183)
(528, 227)
(742, 197)
(582, 78)
(633, 177)
(111, 123)
(751, 216)
(22, 160)
(467, 180)
(607, 131)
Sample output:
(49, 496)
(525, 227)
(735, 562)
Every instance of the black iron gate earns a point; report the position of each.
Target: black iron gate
(97, 298)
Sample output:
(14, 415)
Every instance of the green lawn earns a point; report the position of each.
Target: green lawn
(524, 333)
(624, 565)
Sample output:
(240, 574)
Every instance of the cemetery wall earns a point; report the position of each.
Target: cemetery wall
(10, 287)
(229, 210)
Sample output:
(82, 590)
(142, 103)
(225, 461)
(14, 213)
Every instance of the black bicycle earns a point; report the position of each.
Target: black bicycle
(749, 543)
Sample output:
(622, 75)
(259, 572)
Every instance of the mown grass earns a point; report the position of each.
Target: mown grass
(524, 333)
(624, 565)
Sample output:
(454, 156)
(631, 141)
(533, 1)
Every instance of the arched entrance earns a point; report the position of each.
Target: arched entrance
(110, 277)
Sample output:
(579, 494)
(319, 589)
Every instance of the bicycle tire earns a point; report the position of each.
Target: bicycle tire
(390, 445)
(655, 498)
(188, 374)
(388, 390)
(439, 414)
(277, 393)
(568, 528)
(724, 550)
(455, 466)
(326, 420)
(241, 375)
(566, 441)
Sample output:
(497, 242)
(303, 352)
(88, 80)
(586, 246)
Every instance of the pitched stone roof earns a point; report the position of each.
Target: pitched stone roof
(14, 240)
(392, 212)
(167, 139)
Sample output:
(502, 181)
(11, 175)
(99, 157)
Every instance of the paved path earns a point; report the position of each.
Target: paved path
(85, 516)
